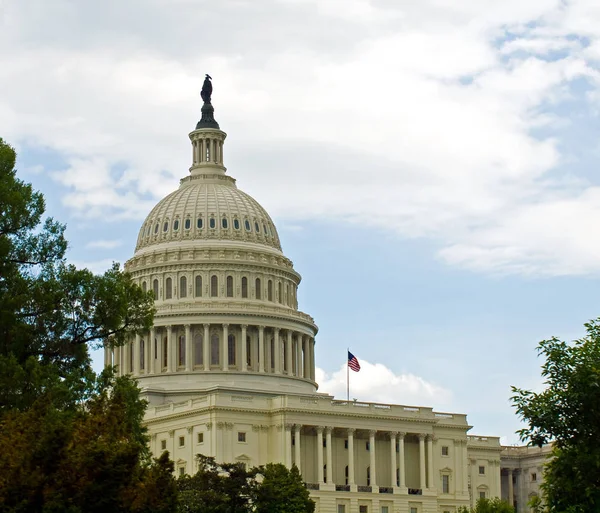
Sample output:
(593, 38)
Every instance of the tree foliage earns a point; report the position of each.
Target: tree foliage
(70, 441)
(567, 414)
(494, 505)
(52, 312)
(281, 491)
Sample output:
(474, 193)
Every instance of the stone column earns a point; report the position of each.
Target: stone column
(188, 348)
(465, 467)
(169, 349)
(288, 354)
(151, 353)
(106, 354)
(277, 355)
(430, 461)
(351, 480)
(244, 362)
(297, 453)
(159, 355)
(306, 373)
(320, 454)
(329, 452)
(312, 359)
(261, 349)
(225, 348)
(401, 464)
(298, 356)
(206, 348)
(393, 465)
(117, 352)
(288, 445)
(372, 460)
(422, 483)
(511, 490)
(136, 356)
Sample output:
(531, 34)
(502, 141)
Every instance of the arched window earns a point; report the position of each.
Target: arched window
(224, 223)
(248, 351)
(247, 225)
(144, 286)
(257, 287)
(280, 292)
(229, 286)
(165, 352)
(236, 224)
(165, 226)
(199, 223)
(198, 287)
(231, 349)
(181, 351)
(214, 349)
(169, 289)
(270, 290)
(214, 286)
(244, 286)
(155, 289)
(183, 286)
(176, 225)
(199, 349)
(212, 223)
(188, 223)
(142, 353)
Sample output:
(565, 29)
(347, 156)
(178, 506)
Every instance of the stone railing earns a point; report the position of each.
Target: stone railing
(312, 486)
(342, 488)
(386, 489)
(365, 489)
(415, 491)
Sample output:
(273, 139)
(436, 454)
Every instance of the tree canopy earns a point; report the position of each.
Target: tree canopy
(567, 414)
(70, 440)
(494, 505)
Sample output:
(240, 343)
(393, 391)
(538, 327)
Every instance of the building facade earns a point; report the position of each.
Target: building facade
(229, 365)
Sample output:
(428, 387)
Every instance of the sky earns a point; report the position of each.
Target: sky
(431, 166)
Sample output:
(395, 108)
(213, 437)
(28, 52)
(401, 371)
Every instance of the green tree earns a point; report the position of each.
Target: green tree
(494, 505)
(567, 414)
(93, 458)
(216, 488)
(70, 440)
(50, 312)
(281, 490)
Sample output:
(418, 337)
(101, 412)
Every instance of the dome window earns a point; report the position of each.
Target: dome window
(176, 225)
(183, 286)
(214, 286)
(229, 286)
(224, 223)
(265, 229)
(236, 224)
(165, 226)
(256, 227)
(188, 224)
(199, 223)
(244, 287)
(212, 223)
(198, 288)
(247, 225)
(169, 289)
(148, 231)
(156, 228)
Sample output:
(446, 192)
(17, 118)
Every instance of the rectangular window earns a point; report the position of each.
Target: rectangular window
(445, 484)
(181, 471)
(413, 510)
(181, 441)
(481, 470)
(482, 495)
(384, 509)
(534, 477)
(445, 450)
(241, 436)
(200, 438)
(163, 445)
(363, 509)
(341, 508)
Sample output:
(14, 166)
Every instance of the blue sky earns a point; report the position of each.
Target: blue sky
(431, 167)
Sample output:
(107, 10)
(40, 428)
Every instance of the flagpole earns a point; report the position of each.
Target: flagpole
(348, 375)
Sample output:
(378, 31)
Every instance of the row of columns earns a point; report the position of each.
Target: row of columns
(299, 352)
(207, 150)
(397, 461)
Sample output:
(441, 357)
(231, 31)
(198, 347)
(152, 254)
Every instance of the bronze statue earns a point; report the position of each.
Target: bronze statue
(206, 89)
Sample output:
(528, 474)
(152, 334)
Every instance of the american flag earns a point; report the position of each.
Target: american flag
(353, 362)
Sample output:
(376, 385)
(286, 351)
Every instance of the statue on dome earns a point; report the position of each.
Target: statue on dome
(206, 89)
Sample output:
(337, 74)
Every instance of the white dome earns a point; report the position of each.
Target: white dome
(208, 208)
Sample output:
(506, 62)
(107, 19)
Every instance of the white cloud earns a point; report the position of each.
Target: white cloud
(416, 118)
(377, 383)
(96, 266)
(104, 244)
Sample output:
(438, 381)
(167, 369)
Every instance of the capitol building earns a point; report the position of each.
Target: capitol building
(228, 368)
